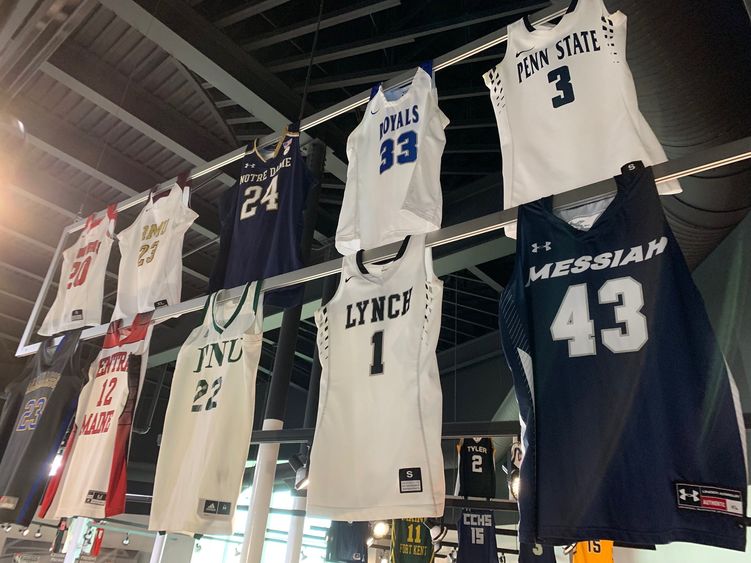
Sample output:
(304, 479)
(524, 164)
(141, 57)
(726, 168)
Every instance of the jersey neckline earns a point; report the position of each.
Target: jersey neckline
(277, 149)
(220, 328)
(363, 272)
(528, 29)
(388, 103)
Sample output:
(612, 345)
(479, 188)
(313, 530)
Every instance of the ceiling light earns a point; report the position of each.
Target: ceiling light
(25, 532)
(381, 529)
(38, 533)
(126, 539)
(370, 541)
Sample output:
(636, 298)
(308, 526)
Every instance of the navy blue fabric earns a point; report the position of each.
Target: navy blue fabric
(536, 553)
(476, 532)
(610, 436)
(268, 242)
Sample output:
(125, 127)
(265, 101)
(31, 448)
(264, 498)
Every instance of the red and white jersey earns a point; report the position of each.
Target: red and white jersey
(81, 287)
(92, 480)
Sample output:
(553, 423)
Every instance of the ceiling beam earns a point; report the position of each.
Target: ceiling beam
(208, 52)
(75, 67)
(236, 16)
(305, 27)
(388, 40)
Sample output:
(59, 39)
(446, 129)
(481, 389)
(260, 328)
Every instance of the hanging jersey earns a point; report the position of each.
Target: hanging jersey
(151, 265)
(476, 463)
(81, 287)
(593, 551)
(376, 340)
(394, 173)
(12, 398)
(476, 532)
(614, 360)
(54, 381)
(92, 479)
(536, 553)
(262, 218)
(566, 106)
(346, 542)
(410, 541)
(209, 419)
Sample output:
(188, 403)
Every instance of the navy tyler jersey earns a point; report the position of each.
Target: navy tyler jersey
(48, 405)
(632, 421)
(476, 532)
(262, 217)
(476, 462)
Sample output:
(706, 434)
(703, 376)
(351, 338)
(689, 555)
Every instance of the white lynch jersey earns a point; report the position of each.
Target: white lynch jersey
(566, 106)
(150, 274)
(377, 447)
(92, 480)
(209, 419)
(81, 287)
(394, 173)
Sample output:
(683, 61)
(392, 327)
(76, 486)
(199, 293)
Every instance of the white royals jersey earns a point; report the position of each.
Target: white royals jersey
(92, 480)
(566, 106)
(209, 419)
(377, 447)
(394, 173)
(150, 274)
(81, 286)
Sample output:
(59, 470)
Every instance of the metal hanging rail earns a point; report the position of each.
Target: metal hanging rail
(695, 163)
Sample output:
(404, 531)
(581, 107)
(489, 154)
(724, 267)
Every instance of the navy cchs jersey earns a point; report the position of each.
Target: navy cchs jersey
(632, 427)
(262, 218)
(476, 533)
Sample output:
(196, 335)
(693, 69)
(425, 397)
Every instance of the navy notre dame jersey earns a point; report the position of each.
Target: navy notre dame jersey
(262, 218)
(49, 403)
(346, 542)
(633, 427)
(476, 532)
(476, 475)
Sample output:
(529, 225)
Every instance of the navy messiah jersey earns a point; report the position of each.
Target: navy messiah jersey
(262, 218)
(476, 532)
(633, 425)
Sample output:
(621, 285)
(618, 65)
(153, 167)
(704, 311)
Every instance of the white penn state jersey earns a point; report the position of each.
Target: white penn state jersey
(209, 419)
(394, 173)
(377, 447)
(566, 106)
(150, 273)
(92, 480)
(81, 286)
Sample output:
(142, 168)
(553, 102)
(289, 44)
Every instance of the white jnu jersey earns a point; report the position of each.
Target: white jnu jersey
(394, 172)
(209, 419)
(81, 287)
(92, 480)
(150, 274)
(377, 447)
(566, 106)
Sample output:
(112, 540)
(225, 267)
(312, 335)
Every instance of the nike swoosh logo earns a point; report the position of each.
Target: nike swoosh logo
(349, 278)
(374, 112)
(524, 51)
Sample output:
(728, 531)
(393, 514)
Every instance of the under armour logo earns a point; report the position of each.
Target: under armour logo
(535, 247)
(693, 495)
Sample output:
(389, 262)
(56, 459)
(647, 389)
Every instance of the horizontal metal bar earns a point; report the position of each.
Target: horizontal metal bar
(452, 57)
(707, 159)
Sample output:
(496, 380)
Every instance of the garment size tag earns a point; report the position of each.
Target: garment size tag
(410, 480)
(710, 499)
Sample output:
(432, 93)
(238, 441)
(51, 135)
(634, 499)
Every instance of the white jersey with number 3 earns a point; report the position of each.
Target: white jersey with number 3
(209, 419)
(377, 447)
(79, 293)
(394, 172)
(566, 106)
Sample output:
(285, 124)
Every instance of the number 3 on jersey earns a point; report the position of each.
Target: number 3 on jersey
(573, 323)
(252, 194)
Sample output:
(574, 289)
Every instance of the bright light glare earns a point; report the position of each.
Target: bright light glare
(515, 484)
(56, 464)
(380, 529)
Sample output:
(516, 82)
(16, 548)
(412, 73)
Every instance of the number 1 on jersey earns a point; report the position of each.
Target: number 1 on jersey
(376, 366)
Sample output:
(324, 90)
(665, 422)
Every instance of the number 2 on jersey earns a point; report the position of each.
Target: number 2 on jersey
(476, 463)
(78, 275)
(573, 323)
(252, 194)
(562, 78)
(202, 387)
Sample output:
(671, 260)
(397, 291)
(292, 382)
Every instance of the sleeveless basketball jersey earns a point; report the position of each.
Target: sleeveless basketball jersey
(12, 397)
(410, 541)
(537, 553)
(209, 419)
(476, 468)
(54, 381)
(620, 381)
(394, 173)
(566, 106)
(151, 263)
(262, 219)
(593, 551)
(377, 447)
(81, 287)
(346, 542)
(476, 532)
(92, 479)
